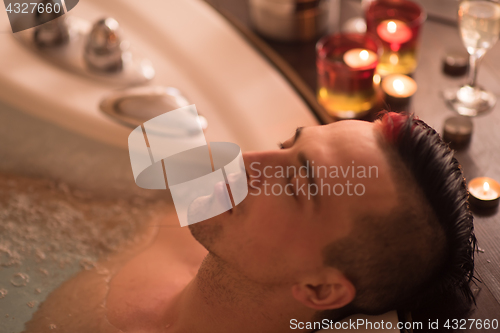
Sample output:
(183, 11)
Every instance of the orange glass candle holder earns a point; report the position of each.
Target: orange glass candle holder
(346, 66)
(397, 24)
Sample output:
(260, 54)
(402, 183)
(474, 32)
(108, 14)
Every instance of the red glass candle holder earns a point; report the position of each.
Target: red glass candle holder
(397, 24)
(346, 66)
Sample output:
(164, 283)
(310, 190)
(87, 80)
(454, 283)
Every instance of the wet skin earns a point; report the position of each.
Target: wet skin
(273, 242)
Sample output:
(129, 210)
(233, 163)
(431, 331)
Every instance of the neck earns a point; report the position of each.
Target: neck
(219, 300)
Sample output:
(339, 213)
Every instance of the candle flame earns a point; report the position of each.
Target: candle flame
(364, 55)
(398, 85)
(376, 78)
(392, 27)
(486, 187)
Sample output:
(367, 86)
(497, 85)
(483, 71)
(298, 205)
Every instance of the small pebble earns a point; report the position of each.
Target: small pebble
(480, 249)
(40, 255)
(87, 264)
(488, 261)
(3, 293)
(52, 326)
(38, 291)
(31, 304)
(20, 280)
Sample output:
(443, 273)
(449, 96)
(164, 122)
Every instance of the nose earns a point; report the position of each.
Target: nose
(256, 161)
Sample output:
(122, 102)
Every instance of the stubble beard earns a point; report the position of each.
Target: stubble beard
(206, 233)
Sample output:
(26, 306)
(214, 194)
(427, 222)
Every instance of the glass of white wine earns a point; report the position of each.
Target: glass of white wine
(479, 23)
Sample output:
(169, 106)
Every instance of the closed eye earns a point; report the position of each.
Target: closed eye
(294, 139)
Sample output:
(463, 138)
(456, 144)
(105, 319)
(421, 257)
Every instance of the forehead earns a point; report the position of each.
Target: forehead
(342, 142)
(351, 148)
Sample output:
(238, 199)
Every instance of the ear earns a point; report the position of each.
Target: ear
(332, 292)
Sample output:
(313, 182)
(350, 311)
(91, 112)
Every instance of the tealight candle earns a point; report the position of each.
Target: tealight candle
(398, 90)
(394, 31)
(484, 192)
(455, 63)
(457, 131)
(358, 58)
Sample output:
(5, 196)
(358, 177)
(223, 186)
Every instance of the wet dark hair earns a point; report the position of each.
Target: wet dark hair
(420, 256)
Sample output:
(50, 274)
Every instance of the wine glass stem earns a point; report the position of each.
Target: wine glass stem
(473, 65)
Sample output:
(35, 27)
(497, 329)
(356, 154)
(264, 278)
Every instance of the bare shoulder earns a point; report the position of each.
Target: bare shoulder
(79, 304)
(130, 291)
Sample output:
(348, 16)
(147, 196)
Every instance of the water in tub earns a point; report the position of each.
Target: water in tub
(49, 232)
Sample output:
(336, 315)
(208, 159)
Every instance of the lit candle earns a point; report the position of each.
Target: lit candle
(358, 58)
(484, 192)
(398, 90)
(399, 86)
(394, 31)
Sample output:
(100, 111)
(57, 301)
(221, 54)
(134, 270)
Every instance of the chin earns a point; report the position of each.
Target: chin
(207, 232)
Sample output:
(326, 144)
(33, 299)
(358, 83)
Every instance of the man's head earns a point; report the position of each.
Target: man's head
(358, 230)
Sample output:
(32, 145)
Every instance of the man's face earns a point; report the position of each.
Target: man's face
(278, 232)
